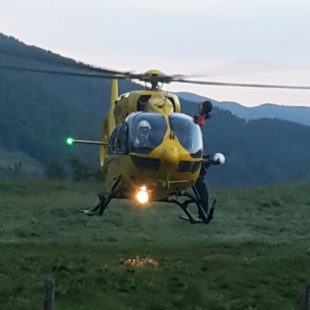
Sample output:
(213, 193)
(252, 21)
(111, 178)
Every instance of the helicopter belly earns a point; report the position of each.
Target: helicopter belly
(159, 176)
(163, 180)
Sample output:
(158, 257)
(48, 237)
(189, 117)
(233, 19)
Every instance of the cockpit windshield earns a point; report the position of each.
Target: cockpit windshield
(188, 133)
(146, 131)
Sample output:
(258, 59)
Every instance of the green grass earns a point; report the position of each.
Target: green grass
(29, 165)
(254, 255)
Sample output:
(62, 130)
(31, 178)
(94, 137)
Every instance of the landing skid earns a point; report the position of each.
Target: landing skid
(194, 220)
(104, 200)
(205, 212)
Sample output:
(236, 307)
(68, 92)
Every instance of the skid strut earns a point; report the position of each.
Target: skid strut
(205, 212)
(104, 200)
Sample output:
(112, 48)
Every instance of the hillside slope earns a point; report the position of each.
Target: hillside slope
(38, 111)
(297, 114)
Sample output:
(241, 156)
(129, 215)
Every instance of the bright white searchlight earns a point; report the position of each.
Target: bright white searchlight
(142, 195)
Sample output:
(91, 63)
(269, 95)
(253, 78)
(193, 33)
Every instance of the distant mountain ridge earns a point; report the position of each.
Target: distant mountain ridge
(37, 112)
(297, 114)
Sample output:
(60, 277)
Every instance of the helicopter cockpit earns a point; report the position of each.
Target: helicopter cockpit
(147, 131)
(144, 131)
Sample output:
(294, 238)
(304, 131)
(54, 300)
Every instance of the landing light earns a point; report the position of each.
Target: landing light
(142, 195)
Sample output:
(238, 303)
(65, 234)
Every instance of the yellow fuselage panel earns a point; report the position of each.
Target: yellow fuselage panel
(164, 181)
(161, 102)
(158, 170)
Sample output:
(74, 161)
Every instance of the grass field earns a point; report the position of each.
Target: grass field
(254, 255)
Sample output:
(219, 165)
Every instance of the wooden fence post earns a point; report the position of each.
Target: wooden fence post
(306, 304)
(49, 294)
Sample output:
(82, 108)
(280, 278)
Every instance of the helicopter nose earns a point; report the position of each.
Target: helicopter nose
(171, 155)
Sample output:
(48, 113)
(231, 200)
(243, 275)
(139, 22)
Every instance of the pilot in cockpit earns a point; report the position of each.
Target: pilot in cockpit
(142, 138)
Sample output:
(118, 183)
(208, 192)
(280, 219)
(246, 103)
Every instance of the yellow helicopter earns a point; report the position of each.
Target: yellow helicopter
(149, 150)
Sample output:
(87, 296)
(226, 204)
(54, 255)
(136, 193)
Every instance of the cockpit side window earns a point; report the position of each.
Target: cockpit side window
(173, 103)
(111, 143)
(121, 144)
(142, 102)
(118, 142)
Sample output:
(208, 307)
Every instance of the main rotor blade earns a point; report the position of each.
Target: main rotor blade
(213, 83)
(103, 73)
(112, 74)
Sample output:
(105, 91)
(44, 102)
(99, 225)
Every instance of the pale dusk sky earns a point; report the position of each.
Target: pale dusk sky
(239, 41)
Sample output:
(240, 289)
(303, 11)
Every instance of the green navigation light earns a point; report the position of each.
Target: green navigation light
(69, 141)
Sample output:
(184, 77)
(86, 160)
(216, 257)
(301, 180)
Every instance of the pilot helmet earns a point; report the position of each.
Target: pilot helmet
(144, 127)
(144, 124)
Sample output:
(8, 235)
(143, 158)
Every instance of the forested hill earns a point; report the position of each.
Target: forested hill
(37, 111)
(297, 114)
(258, 152)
